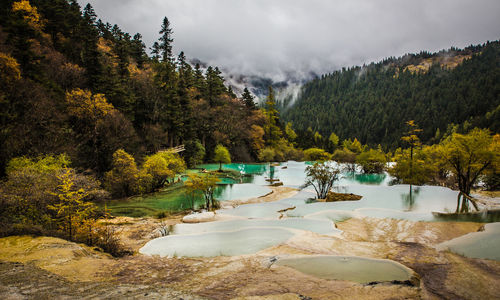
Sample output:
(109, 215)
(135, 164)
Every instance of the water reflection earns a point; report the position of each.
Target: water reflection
(176, 199)
(481, 216)
(374, 179)
(409, 199)
(240, 191)
(272, 170)
(244, 169)
(380, 199)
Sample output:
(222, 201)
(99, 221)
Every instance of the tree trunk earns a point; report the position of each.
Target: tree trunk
(458, 202)
(471, 200)
(411, 164)
(465, 207)
(96, 148)
(70, 227)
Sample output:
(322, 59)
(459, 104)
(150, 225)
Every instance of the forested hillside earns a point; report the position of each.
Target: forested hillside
(372, 103)
(73, 84)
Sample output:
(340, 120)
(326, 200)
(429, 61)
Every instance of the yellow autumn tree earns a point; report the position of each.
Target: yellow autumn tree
(204, 184)
(290, 133)
(9, 68)
(468, 157)
(353, 146)
(30, 13)
(123, 179)
(162, 167)
(257, 135)
(90, 110)
(82, 104)
(73, 214)
(221, 155)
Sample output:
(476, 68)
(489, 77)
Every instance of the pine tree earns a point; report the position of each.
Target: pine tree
(22, 32)
(122, 50)
(185, 72)
(230, 92)
(89, 14)
(138, 51)
(168, 108)
(199, 80)
(215, 85)
(166, 40)
(90, 55)
(248, 99)
(272, 131)
(155, 51)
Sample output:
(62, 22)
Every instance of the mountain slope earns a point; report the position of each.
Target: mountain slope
(59, 62)
(373, 102)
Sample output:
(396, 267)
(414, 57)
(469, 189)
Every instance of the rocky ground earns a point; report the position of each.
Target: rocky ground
(51, 268)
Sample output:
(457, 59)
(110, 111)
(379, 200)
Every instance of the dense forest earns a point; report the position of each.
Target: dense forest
(453, 90)
(86, 114)
(73, 84)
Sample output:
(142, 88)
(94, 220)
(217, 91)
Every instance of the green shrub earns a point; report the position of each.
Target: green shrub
(316, 154)
(267, 154)
(122, 180)
(372, 161)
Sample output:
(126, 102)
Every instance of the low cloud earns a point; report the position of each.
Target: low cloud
(280, 39)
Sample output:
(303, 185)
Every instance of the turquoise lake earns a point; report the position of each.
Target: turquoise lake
(380, 199)
(249, 228)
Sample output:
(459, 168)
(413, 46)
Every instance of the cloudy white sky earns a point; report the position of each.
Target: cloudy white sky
(275, 37)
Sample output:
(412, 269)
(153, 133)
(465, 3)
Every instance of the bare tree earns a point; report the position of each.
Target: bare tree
(321, 176)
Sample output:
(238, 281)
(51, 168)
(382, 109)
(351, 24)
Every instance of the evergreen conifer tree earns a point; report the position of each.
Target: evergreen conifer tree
(272, 131)
(248, 99)
(166, 41)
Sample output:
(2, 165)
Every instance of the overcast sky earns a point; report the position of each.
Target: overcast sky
(273, 37)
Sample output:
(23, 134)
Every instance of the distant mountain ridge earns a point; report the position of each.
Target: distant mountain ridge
(454, 89)
(286, 89)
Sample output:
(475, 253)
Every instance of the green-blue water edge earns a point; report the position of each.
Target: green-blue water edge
(244, 181)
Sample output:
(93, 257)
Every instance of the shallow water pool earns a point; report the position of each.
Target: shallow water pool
(483, 244)
(258, 226)
(351, 268)
(176, 199)
(239, 242)
(318, 226)
(383, 201)
(267, 210)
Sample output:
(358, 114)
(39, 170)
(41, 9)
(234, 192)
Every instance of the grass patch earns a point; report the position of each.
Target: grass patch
(132, 211)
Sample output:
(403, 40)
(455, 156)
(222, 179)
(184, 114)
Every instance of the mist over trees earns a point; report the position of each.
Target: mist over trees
(74, 84)
(439, 91)
(86, 114)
